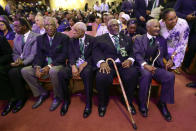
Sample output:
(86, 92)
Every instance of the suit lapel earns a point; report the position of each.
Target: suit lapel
(86, 43)
(145, 42)
(110, 42)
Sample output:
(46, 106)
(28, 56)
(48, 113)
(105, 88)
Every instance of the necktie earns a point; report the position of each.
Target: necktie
(81, 48)
(49, 59)
(116, 43)
(23, 42)
(152, 41)
(50, 41)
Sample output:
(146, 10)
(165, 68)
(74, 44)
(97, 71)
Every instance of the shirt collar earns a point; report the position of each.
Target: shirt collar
(150, 36)
(27, 34)
(83, 38)
(51, 37)
(111, 36)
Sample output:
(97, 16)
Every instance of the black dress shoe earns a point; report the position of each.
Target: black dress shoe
(39, 101)
(19, 105)
(87, 112)
(191, 85)
(8, 108)
(133, 111)
(102, 111)
(55, 103)
(164, 111)
(64, 108)
(143, 110)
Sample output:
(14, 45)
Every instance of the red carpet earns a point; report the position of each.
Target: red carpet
(116, 118)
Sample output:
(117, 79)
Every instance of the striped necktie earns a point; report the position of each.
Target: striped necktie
(116, 43)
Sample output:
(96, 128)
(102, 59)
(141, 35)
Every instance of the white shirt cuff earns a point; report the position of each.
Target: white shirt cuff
(142, 65)
(99, 63)
(50, 66)
(131, 59)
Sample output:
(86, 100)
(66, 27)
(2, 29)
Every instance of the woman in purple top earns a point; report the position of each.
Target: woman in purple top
(6, 31)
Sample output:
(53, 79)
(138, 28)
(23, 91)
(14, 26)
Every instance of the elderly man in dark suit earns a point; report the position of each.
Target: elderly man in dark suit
(118, 47)
(80, 53)
(145, 50)
(52, 52)
(23, 54)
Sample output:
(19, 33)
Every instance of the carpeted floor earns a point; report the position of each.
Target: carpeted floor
(116, 118)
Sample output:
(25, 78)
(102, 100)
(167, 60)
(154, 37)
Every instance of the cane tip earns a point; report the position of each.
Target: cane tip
(134, 126)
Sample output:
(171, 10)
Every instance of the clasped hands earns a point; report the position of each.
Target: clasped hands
(39, 72)
(104, 67)
(76, 71)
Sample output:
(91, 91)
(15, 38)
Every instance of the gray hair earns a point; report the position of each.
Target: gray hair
(46, 19)
(150, 22)
(111, 21)
(80, 26)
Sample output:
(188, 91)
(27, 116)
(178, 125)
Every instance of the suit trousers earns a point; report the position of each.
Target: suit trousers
(28, 74)
(17, 83)
(129, 78)
(167, 80)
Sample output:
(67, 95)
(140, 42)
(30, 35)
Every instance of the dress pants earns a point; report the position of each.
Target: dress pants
(28, 74)
(17, 83)
(129, 78)
(167, 80)
(87, 77)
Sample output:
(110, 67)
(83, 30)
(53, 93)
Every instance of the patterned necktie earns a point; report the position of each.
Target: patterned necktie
(116, 43)
(23, 42)
(81, 43)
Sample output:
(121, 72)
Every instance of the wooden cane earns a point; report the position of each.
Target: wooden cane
(149, 92)
(123, 91)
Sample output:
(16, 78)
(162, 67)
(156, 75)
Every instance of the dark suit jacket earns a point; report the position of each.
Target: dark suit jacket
(74, 49)
(185, 7)
(104, 48)
(58, 51)
(5, 52)
(140, 49)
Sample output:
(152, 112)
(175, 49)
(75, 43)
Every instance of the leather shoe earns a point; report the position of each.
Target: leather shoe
(192, 85)
(64, 108)
(39, 101)
(19, 105)
(143, 110)
(87, 112)
(164, 111)
(55, 103)
(102, 111)
(7, 108)
(133, 111)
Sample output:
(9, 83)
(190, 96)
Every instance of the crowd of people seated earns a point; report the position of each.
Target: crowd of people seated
(69, 44)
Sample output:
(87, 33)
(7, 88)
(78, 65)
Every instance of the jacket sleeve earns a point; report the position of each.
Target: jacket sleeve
(6, 52)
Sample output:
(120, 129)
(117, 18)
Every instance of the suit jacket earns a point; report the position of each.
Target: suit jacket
(185, 7)
(104, 48)
(29, 50)
(58, 51)
(74, 49)
(5, 52)
(140, 50)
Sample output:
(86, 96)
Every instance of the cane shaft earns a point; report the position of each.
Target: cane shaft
(122, 88)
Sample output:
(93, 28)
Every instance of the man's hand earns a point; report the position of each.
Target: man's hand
(169, 64)
(82, 66)
(104, 68)
(38, 73)
(126, 63)
(45, 70)
(142, 18)
(75, 72)
(150, 68)
(17, 62)
(148, 12)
